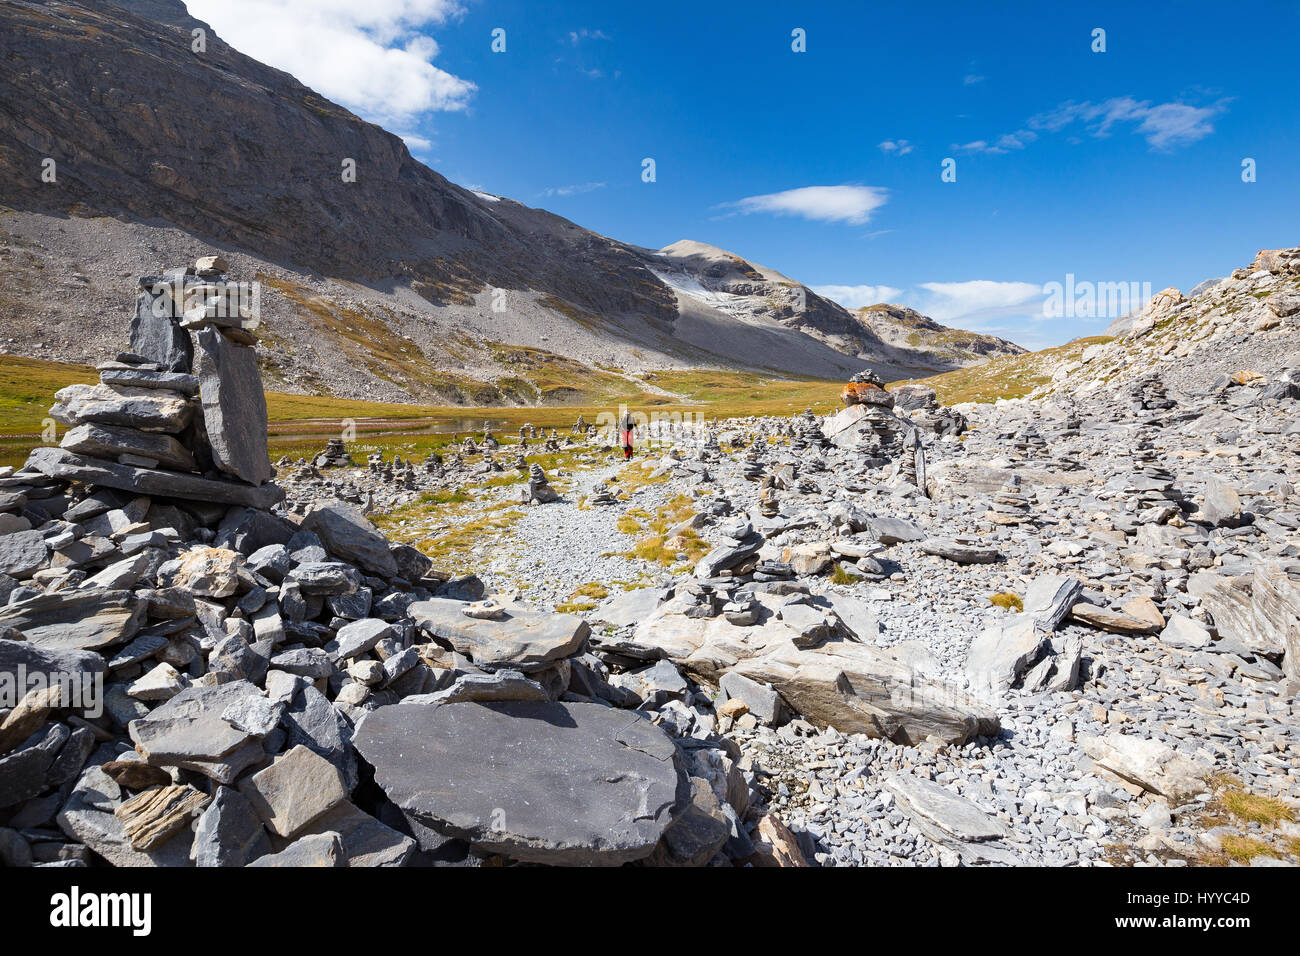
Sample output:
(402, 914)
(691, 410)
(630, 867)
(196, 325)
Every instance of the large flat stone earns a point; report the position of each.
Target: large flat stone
(29, 658)
(22, 553)
(950, 820)
(61, 463)
(234, 407)
(523, 640)
(148, 409)
(76, 620)
(108, 441)
(859, 689)
(569, 784)
(296, 789)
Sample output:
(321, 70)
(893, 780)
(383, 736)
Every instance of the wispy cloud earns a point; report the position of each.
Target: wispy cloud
(857, 296)
(970, 79)
(572, 190)
(850, 204)
(900, 147)
(974, 304)
(577, 36)
(373, 57)
(976, 298)
(1003, 144)
(1164, 125)
(416, 143)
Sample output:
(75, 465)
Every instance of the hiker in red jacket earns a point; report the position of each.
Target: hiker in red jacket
(625, 429)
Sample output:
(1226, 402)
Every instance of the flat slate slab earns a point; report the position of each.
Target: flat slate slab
(569, 784)
(523, 640)
(76, 620)
(190, 731)
(149, 409)
(61, 463)
(234, 407)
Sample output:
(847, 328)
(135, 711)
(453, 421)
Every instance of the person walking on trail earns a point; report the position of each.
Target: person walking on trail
(625, 429)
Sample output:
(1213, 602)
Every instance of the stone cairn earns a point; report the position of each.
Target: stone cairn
(1009, 506)
(335, 455)
(1157, 497)
(538, 490)
(1028, 444)
(1148, 394)
(165, 419)
(752, 463)
(601, 495)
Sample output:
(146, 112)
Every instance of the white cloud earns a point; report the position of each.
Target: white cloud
(1164, 125)
(417, 144)
(857, 296)
(851, 204)
(979, 297)
(371, 56)
(900, 146)
(970, 79)
(572, 190)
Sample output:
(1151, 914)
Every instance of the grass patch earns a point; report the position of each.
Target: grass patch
(840, 576)
(657, 547)
(1243, 849)
(585, 597)
(1252, 808)
(1007, 601)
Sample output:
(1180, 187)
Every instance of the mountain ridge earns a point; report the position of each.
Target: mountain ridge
(163, 154)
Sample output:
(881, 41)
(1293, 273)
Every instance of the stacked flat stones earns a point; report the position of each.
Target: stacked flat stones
(335, 455)
(167, 419)
(601, 495)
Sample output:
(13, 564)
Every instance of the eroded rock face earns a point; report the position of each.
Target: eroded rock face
(585, 786)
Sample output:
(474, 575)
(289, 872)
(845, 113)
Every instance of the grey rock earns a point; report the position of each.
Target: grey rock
(315, 850)
(523, 639)
(482, 688)
(1050, 598)
(234, 407)
(189, 732)
(147, 409)
(349, 536)
(155, 333)
(109, 441)
(61, 463)
(570, 784)
(228, 832)
(959, 552)
(22, 553)
(76, 620)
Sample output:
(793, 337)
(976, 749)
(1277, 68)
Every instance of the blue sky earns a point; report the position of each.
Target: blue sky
(1115, 166)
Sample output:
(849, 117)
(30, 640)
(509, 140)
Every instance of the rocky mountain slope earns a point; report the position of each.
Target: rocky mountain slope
(397, 286)
(902, 327)
(1246, 325)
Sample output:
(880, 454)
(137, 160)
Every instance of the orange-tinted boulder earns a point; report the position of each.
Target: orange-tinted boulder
(864, 393)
